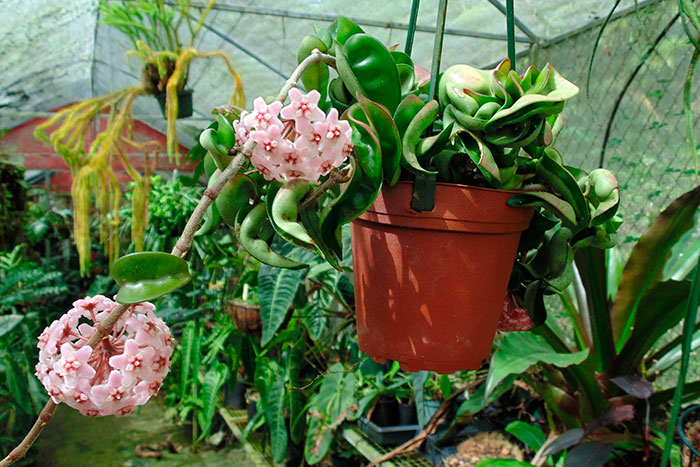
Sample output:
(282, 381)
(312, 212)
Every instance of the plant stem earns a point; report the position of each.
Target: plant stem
(337, 176)
(182, 246)
(315, 57)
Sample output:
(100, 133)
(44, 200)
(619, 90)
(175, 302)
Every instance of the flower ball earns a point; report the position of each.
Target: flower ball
(122, 371)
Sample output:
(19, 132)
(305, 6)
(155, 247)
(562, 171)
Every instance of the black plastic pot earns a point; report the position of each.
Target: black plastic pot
(387, 435)
(690, 455)
(252, 408)
(407, 414)
(184, 103)
(386, 412)
(235, 396)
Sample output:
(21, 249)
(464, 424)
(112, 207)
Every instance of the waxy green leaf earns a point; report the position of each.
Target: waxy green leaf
(148, 275)
(423, 119)
(366, 66)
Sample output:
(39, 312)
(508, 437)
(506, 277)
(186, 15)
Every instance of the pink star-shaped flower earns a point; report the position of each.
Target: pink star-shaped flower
(113, 395)
(134, 362)
(337, 132)
(263, 115)
(303, 107)
(148, 328)
(74, 364)
(263, 165)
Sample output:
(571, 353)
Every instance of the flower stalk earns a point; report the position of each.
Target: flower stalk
(182, 246)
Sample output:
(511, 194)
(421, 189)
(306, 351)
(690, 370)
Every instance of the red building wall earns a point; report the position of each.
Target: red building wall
(21, 144)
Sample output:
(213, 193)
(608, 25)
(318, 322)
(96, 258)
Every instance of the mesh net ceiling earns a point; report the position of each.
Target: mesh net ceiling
(55, 52)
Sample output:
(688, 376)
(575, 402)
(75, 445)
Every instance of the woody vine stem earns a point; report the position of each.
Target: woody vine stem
(182, 247)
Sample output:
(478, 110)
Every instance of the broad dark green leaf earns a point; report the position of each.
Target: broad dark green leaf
(366, 66)
(315, 320)
(661, 308)
(406, 111)
(530, 435)
(518, 351)
(550, 171)
(274, 413)
(645, 265)
(415, 129)
(634, 386)
(211, 384)
(276, 289)
(563, 441)
(590, 454)
(591, 265)
(550, 202)
(318, 440)
(149, 275)
(295, 361)
(358, 194)
(423, 413)
(379, 119)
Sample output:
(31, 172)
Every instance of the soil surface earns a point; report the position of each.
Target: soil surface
(76, 441)
(483, 446)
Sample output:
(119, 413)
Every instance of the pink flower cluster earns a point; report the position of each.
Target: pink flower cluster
(126, 369)
(305, 145)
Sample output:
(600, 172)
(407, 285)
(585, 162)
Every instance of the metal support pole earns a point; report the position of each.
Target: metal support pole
(424, 185)
(437, 47)
(412, 27)
(510, 32)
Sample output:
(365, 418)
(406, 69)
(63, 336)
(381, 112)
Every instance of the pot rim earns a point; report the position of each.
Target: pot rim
(681, 429)
(242, 304)
(463, 186)
(458, 208)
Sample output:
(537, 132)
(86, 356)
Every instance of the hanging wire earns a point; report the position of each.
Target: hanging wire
(424, 185)
(510, 32)
(437, 48)
(411, 34)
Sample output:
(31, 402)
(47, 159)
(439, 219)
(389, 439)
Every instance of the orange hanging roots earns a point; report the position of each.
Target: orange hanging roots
(92, 172)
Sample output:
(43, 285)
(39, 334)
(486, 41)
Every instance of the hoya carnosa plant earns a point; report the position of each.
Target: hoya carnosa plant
(123, 371)
(491, 128)
(306, 145)
(297, 146)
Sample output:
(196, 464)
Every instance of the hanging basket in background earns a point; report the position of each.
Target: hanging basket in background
(184, 103)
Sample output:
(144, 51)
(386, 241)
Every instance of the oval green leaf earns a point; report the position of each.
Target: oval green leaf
(149, 275)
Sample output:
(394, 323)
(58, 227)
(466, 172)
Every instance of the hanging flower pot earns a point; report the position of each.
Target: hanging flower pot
(429, 286)
(245, 316)
(184, 103)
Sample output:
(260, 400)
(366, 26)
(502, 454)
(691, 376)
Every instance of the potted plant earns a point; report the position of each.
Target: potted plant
(492, 130)
(159, 45)
(387, 417)
(598, 377)
(155, 31)
(244, 307)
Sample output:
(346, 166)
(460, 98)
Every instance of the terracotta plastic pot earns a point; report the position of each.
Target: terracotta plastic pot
(245, 316)
(429, 286)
